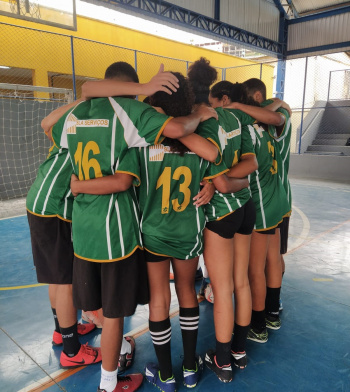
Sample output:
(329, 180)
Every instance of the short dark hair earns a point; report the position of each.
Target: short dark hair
(177, 104)
(253, 85)
(123, 71)
(201, 75)
(235, 91)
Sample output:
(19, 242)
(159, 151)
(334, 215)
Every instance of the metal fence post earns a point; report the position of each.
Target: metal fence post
(135, 57)
(261, 65)
(329, 84)
(302, 109)
(73, 67)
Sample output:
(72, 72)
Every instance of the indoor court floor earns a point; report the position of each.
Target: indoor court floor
(311, 351)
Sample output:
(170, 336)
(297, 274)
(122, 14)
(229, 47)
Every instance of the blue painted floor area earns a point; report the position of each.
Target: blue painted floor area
(311, 352)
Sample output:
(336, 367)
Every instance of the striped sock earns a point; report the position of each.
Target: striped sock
(189, 320)
(161, 337)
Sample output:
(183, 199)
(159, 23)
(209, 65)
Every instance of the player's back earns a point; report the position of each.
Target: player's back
(170, 224)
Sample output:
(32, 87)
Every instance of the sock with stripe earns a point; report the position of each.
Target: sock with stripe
(239, 338)
(258, 320)
(161, 336)
(57, 325)
(71, 344)
(272, 302)
(189, 320)
(223, 353)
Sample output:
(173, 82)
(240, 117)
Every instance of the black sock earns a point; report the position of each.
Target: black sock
(258, 320)
(57, 325)
(189, 320)
(223, 353)
(272, 301)
(71, 344)
(239, 338)
(161, 336)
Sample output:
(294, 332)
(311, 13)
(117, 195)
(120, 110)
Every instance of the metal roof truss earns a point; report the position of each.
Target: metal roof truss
(170, 12)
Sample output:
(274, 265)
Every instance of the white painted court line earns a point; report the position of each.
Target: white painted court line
(305, 231)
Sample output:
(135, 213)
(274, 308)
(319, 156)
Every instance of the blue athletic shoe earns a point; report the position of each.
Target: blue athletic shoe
(191, 377)
(152, 376)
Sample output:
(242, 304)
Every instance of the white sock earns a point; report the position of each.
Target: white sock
(126, 347)
(108, 380)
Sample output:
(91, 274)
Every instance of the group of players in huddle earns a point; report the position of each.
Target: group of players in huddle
(130, 188)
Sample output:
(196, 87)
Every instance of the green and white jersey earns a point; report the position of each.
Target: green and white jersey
(232, 146)
(171, 225)
(50, 194)
(100, 134)
(266, 186)
(282, 143)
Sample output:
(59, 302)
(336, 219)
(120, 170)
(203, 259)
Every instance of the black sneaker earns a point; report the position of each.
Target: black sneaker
(239, 359)
(126, 360)
(224, 373)
(273, 322)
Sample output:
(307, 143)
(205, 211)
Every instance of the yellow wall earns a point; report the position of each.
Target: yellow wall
(44, 52)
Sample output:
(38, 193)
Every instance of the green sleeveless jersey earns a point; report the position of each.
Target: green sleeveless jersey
(50, 194)
(171, 225)
(266, 186)
(100, 134)
(232, 146)
(282, 143)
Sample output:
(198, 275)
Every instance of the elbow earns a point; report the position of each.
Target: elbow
(45, 125)
(277, 120)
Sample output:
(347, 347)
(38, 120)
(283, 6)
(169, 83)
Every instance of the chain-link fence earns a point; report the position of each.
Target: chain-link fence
(37, 66)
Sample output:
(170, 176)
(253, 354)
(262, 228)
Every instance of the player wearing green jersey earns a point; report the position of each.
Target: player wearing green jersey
(281, 135)
(226, 214)
(269, 198)
(122, 70)
(243, 219)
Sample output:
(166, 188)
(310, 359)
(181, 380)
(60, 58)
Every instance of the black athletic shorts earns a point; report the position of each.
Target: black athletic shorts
(116, 287)
(241, 221)
(284, 227)
(270, 231)
(52, 249)
(153, 258)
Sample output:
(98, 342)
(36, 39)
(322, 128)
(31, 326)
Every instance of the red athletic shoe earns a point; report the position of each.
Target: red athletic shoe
(83, 329)
(129, 383)
(87, 355)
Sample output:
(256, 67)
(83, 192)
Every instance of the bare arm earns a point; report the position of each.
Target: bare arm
(244, 167)
(162, 81)
(200, 146)
(118, 182)
(260, 114)
(50, 120)
(179, 127)
(226, 184)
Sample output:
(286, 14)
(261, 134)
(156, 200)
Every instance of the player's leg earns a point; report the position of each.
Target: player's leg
(117, 287)
(54, 265)
(218, 255)
(185, 272)
(273, 281)
(284, 232)
(242, 293)
(257, 281)
(158, 268)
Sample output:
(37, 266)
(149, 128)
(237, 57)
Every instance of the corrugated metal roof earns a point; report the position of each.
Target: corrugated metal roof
(313, 6)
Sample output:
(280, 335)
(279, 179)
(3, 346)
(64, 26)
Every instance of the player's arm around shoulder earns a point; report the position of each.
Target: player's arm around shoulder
(114, 183)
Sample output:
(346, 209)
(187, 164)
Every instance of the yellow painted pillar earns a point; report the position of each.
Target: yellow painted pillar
(40, 78)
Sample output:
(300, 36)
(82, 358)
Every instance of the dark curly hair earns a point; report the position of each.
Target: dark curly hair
(235, 91)
(201, 75)
(177, 104)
